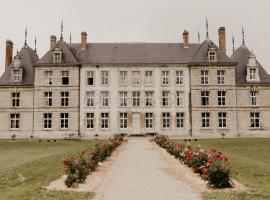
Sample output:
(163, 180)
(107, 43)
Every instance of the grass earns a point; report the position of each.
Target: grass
(250, 162)
(28, 166)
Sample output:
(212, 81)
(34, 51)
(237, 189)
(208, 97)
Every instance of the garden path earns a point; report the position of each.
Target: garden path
(141, 172)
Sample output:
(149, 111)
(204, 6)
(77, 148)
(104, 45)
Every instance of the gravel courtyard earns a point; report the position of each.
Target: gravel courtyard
(142, 171)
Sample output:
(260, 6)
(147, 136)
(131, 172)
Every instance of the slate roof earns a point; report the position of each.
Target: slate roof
(29, 59)
(241, 57)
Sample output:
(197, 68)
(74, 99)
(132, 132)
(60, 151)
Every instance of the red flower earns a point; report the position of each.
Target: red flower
(66, 168)
(205, 171)
(214, 150)
(194, 171)
(210, 161)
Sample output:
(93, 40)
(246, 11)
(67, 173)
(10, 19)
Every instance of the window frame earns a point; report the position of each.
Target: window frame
(148, 79)
(166, 120)
(179, 77)
(204, 77)
(64, 120)
(123, 78)
(48, 77)
(136, 78)
(90, 99)
(206, 120)
(47, 99)
(90, 77)
(165, 77)
(104, 120)
(15, 99)
(47, 120)
(222, 120)
(254, 98)
(180, 99)
(149, 119)
(180, 119)
(205, 94)
(222, 98)
(149, 98)
(15, 120)
(104, 78)
(136, 99)
(123, 98)
(165, 99)
(123, 120)
(104, 99)
(90, 117)
(65, 77)
(255, 120)
(64, 98)
(220, 77)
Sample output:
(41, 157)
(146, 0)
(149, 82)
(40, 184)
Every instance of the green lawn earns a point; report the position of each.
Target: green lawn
(28, 166)
(250, 161)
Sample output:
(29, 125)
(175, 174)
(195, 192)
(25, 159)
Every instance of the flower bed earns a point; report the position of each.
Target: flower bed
(77, 169)
(212, 167)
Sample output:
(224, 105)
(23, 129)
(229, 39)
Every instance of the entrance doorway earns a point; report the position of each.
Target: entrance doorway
(136, 123)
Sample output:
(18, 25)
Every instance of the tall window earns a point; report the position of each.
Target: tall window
(17, 75)
(47, 99)
(104, 117)
(89, 120)
(15, 99)
(252, 74)
(221, 98)
(123, 120)
(64, 98)
(65, 77)
(90, 78)
(222, 120)
(179, 77)
(255, 120)
(104, 99)
(179, 98)
(48, 77)
(205, 98)
(149, 78)
(205, 119)
(123, 99)
(64, 120)
(123, 78)
(148, 120)
(165, 98)
(90, 99)
(204, 76)
(47, 119)
(14, 120)
(254, 98)
(165, 77)
(166, 120)
(220, 76)
(136, 78)
(104, 78)
(180, 120)
(149, 99)
(136, 98)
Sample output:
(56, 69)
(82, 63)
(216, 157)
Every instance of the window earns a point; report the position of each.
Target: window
(148, 120)
(205, 98)
(205, 119)
(104, 99)
(148, 78)
(123, 99)
(64, 120)
(104, 78)
(179, 98)
(17, 75)
(166, 120)
(123, 120)
(255, 120)
(136, 78)
(149, 100)
(65, 77)
(47, 99)
(90, 99)
(221, 98)
(252, 74)
(15, 99)
(48, 77)
(64, 98)
(90, 78)
(57, 57)
(222, 120)
(220, 76)
(165, 98)
(136, 98)
(254, 98)
(212, 55)
(89, 120)
(165, 77)
(180, 120)
(104, 120)
(47, 120)
(204, 76)
(14, 120)
(123, 78)
(179, 77)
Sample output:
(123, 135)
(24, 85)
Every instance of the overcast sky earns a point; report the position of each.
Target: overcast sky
(135, 21)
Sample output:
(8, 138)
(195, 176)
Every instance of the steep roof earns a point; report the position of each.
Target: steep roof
(241, 57)
(29, 59)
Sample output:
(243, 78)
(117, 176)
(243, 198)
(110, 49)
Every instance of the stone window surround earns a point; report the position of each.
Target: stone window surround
(14, 121)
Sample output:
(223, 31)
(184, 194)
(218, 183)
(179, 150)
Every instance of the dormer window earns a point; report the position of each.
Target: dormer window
(252, 69)
(57, 55)
(17, 75)
(212, 55)
(17, 69)
(252, 74)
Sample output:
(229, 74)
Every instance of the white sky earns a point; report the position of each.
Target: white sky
(135, 21)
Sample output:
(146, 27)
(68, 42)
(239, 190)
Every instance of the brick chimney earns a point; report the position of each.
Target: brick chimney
(222, 39)
(9, 52)
(83, 40)
(52, 41)
(185, 39)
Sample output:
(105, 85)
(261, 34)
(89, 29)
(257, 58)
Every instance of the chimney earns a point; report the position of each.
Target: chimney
(185, 38)
(53, 41)
(9, 52)
(83, 40)
(222, 39)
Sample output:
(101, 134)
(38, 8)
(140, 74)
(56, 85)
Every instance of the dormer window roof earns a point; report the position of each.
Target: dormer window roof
(212, 54)
(57, 55)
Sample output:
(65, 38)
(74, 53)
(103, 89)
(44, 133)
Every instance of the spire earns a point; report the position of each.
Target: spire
(199, 37)
(35, 44)
(207, 31)
(70, 38)
(62, 28)
(25, 36)
(233, 47)
(243, 37)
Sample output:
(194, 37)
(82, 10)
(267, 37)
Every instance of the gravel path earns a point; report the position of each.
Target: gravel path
(140, 172)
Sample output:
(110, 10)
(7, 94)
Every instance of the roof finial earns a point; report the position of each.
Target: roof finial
(243, 37)
(25, 36)
(207, 33)
(233, 47)
(35, 44)
(70, 38)
(199, 36)
(62, 28)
